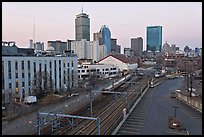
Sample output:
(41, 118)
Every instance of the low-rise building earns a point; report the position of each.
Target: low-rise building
(121, 61)
(18, 72)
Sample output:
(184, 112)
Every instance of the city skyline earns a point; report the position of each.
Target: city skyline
(181, 21)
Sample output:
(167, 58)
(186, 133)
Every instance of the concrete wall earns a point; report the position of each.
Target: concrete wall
(191, 101)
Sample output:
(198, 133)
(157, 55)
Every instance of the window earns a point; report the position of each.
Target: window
(23, 75)
(34, 65)
(16, 74)
(2, 74)
(9, 69)
(82, 70)
(50, 65)
(16, 65)
(28, 65)
(23, 84)
(40, 67)
(10, 85)
(22, 65)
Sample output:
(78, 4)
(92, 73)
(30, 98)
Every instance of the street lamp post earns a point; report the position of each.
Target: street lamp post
(175, 107)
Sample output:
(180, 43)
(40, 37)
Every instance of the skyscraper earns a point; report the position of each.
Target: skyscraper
(137, 46)
(82, 27)
(106, 37)
(154, 38)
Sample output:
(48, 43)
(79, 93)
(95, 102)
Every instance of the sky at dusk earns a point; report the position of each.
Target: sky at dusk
(181, 21)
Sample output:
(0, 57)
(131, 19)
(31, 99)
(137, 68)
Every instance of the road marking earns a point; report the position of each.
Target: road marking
(132, 122)
(175, 132)
(137, 118)
(128, 125)
(128, 132)
(130, 128)
(139, 123)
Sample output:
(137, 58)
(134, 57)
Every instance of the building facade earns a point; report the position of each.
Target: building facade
(114, 47)
(137, 46)
(128, 52)
(82, 27)
(88, 49)
(154, 38)
(106, 37)
(18, 72)
(121, 61)
(58, 45)
(101, 70)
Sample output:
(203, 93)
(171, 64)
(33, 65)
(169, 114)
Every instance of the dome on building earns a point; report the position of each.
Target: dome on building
(50, 48)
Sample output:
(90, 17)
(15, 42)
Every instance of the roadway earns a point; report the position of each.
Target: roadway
(150, 116)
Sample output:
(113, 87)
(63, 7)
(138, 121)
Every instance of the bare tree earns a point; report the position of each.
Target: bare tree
(42, 84)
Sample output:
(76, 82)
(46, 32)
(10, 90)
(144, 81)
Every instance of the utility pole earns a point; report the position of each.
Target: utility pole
(191, 82)
(175, 107)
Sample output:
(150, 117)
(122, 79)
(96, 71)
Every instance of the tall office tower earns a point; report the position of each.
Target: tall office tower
(82, 27)
(137, 46)
(154, 38)
(106, 37)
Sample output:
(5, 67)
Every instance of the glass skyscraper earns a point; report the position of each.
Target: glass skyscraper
(106, 37)
(154, 38)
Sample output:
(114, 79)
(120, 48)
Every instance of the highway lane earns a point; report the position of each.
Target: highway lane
(150, 116)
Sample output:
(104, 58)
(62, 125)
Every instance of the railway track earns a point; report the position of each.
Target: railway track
(108, 110)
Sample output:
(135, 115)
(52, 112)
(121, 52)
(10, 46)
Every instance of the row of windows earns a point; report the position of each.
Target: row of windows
(29, 71)
(93, 70)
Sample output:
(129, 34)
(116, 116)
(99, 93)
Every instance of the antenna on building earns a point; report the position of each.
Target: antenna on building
(82, 9)
(33, 30)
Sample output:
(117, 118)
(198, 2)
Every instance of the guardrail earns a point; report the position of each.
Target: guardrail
(190, 101)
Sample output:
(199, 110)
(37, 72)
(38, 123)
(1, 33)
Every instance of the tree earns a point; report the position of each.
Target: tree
(42, 84)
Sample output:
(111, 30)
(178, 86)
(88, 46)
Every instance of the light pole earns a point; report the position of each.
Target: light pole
(175, 107)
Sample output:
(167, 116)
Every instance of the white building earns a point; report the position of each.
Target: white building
(88, 49)
(101, 70)
(18, 72)
(121, 61)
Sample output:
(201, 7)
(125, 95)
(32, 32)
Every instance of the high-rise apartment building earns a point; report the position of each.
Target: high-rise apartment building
(82, 27)
(154, 38)
(137, 46)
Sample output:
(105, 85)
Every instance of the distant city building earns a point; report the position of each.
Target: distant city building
(106, 37)
(128, 52)
(166, 49)
(173, 49)
(97, 37)
(18, 72)
(114, 47)
(13, 50)
(88, 49)
(82, 27)
(38, 46)
(186, 49)
(31, 44)
(137, 46)
(154, 38)
(58, 45)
